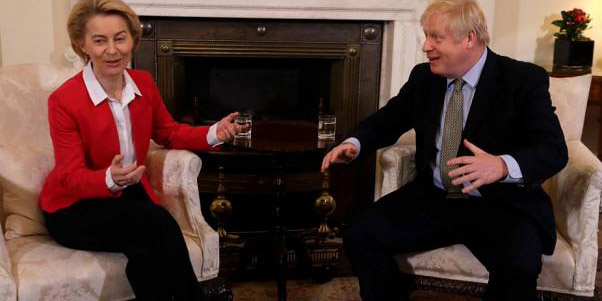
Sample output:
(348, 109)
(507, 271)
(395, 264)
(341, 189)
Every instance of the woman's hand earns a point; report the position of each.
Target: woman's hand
(227, 128)
(125, 175)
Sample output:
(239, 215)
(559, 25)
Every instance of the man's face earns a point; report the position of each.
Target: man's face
(448, 56)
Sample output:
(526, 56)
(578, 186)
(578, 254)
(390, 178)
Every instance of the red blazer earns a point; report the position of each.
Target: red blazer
(85, 139)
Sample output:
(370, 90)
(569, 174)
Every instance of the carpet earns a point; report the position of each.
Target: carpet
(338, 289)
(347, 289)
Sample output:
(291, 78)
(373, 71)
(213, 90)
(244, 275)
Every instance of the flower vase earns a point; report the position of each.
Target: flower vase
(573, 54)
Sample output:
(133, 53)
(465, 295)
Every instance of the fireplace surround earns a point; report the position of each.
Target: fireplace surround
(280, 70)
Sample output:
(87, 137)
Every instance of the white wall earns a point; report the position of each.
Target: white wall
(34, 30)
(522, 29)
(0, 45)
(488, 7)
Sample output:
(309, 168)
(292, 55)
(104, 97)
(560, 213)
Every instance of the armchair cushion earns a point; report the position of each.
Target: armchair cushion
(23, 110)
(457, 262)
(75, 274)
(8, 286)
(25, 148)
(569, 96)
(22, 176)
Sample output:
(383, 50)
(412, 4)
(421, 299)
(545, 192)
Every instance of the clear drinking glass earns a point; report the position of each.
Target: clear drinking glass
(244, 119)
(327, 127)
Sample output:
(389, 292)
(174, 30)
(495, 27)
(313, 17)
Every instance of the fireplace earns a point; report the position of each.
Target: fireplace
(278, 69)
(350, 55)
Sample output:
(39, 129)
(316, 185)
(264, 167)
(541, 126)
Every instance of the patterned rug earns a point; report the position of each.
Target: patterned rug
(338, 289)
(344, 289)
(347, 289)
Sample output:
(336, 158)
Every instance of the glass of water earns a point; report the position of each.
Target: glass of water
(244, 119)
(327, 127)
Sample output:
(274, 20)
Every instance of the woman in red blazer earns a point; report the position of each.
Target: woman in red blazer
(98, 197)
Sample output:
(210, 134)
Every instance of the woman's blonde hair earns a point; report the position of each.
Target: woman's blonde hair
(84, 10)
(464, 17)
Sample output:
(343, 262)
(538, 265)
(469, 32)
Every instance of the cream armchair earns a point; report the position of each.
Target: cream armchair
(575, 194)
(32, 265)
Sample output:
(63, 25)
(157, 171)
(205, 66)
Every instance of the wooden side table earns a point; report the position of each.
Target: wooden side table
(282, 158)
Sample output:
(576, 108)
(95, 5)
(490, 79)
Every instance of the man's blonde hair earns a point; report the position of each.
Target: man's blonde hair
(464, 16)
(84, 10)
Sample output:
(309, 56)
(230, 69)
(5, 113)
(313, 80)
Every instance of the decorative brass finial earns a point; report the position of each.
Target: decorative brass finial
(325, 205)
(221, 208)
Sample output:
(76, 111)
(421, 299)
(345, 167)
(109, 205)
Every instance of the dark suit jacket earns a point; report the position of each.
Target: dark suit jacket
(511, 113)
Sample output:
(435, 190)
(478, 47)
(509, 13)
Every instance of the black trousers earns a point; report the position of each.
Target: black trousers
(505, 241)
(158, 266)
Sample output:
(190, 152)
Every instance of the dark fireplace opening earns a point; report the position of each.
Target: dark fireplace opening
(269, 88)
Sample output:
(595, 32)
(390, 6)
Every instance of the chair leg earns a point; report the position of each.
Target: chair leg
(217, 289)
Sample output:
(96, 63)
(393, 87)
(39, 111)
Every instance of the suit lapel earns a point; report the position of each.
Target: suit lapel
(484, 97)
(436, 99)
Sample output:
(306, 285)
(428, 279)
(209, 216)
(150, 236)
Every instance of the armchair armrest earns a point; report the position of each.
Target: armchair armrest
(398, 167)
(575, 193)
(173, 174)
(8, 285)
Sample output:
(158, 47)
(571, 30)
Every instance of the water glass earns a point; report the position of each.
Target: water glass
(327, 127)
(244, 119)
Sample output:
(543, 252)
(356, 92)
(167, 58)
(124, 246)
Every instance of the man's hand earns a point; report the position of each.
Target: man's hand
(227, 128)
(342, 153)
(125, 175)
(480, 169)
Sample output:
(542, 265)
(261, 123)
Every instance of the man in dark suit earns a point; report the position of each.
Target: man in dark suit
(486, 138)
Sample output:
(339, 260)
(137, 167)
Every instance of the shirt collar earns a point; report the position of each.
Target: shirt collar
(98, 94)
(472, 76)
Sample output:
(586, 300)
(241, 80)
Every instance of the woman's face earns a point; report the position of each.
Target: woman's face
(108, 43)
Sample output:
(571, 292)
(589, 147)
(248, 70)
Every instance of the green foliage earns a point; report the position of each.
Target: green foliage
(572, 24)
